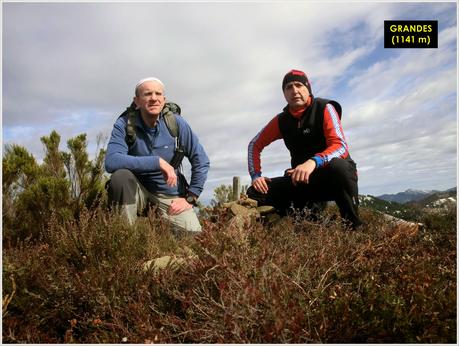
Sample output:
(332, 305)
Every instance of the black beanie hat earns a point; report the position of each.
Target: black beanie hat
(296, 75)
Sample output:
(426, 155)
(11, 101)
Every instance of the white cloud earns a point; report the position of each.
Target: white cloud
(72, 67)
(403, 127)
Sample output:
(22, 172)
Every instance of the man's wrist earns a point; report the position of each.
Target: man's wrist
(318, 160)
(255, 176)
(191, 198)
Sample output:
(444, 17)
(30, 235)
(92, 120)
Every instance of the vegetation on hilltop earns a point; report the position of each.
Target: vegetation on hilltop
(410, 212)
(74, 273)
(448, 196)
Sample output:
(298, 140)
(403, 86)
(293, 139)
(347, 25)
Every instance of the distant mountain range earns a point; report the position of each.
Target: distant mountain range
(412, 195)
(438, 199)
(396, 209)
(415, 202)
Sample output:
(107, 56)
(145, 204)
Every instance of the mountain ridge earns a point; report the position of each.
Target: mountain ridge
(412, 195)
(411, 210)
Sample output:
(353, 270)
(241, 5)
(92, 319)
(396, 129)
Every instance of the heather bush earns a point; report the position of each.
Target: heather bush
(85, 272)
(293, 281)
(305, 282)
(74, 272)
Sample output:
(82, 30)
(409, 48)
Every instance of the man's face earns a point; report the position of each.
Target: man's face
(296, 94)
(150, 99)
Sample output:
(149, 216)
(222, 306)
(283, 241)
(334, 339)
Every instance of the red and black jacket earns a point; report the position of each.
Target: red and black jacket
(304, 137)
(314, 134)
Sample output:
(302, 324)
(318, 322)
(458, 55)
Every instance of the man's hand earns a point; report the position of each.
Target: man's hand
(168, 172)
(179, 205)
(260, 184)
(301, 173)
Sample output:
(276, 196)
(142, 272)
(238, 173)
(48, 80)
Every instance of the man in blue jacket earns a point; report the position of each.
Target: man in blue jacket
(141, 172)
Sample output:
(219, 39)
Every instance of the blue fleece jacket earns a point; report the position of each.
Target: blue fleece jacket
(142, 158)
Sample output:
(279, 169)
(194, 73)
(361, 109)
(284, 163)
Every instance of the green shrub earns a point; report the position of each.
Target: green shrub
(62, 186)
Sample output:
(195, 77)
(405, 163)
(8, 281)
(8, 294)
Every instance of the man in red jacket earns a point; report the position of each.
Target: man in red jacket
(322, 169)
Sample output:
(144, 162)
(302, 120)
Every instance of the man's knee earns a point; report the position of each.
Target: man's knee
(279, 189)
(343, 169)
(122, 187)
(339, 165)
(186, 222)
(252, 193)
(122, 177)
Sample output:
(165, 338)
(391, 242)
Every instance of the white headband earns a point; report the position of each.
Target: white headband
(140, 82)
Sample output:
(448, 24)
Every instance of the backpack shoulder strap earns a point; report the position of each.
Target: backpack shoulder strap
(131, 134)
(169, 111)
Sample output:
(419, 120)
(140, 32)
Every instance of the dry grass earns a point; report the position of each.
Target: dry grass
(292, 282)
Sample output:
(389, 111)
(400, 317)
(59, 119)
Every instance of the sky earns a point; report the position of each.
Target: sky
(72, 67)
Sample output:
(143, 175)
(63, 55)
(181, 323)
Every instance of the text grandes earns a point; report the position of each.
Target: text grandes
(411, 28)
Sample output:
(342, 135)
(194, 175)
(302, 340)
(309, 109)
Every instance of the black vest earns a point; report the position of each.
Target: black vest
(305, 137)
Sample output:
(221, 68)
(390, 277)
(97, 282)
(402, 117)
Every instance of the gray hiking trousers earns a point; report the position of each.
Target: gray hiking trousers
(133, 199)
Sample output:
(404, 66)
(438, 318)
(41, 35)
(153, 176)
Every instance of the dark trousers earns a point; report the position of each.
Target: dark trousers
(335, 182)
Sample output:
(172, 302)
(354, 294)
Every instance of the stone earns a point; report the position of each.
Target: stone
(160, 263)
(415, 226)
(249, 202)
(228, 205)
(237, 209)
(266, 209)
